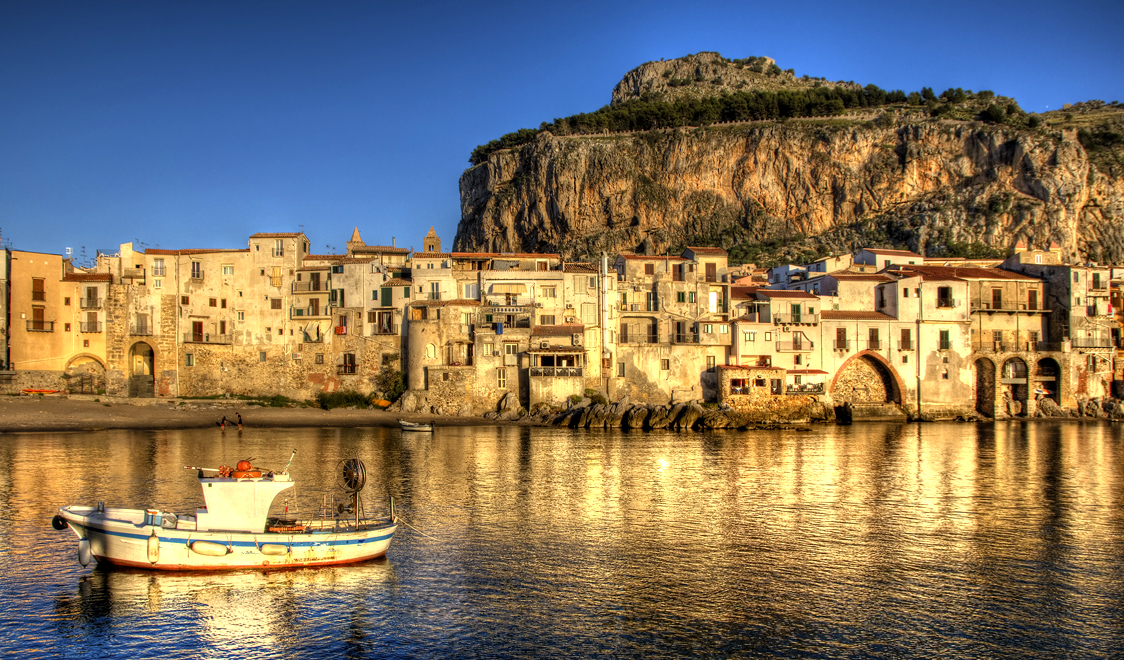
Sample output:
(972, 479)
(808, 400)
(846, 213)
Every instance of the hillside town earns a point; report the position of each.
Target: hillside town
(878, 333)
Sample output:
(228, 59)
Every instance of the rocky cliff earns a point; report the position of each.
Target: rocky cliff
(802, 186)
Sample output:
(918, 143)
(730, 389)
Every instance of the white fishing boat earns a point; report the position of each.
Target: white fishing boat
(234, 530)
(415, 426)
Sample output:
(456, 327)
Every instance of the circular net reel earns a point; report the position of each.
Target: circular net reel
(351, 475)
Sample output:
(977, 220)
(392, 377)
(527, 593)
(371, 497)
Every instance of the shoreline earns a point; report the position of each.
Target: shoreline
(32, 414)
(74, 413)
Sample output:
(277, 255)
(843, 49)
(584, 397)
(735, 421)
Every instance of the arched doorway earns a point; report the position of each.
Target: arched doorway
(1014, 381)
(985, 387)
(1047, 379)
(85, 375)
(865, 380)
(142, 370)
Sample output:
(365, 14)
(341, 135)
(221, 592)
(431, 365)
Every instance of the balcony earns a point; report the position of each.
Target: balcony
(795, 346)
(978, 305)
(89, 327)
(346, 369)
(40, 326)
(383, 329)
(433, 295)
(557, 372)
(1092, 342)
(804, 388)
(640, 339)
(310, 312)
(39, 296)
(309, 287)
(905, 345)
(687, 339)
(874, 344)
(945, 346)
(947, 303)
(89, 303)
(278, 252)
(206, 338)
(791, 319)
(140, 330)
(842, 345)
(197, 274)
(992, 347)
(159, 271)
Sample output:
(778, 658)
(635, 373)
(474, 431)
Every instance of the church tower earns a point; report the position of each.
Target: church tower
(431, 243)
(354, 242)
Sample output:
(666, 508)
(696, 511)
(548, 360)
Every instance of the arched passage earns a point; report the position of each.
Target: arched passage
(85, 374)
(866, 378)
(1047, 377)
(1015, 390)
(142, 370)
(985, 386)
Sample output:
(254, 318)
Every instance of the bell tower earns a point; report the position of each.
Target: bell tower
(431, 243)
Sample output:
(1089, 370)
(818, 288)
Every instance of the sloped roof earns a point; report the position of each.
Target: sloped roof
(848, 276)
(563, 330)
(893, 253)
(380, 248)
(853, 315)
(782, 293)
(579, 267)
(742, 292)
(969, 273)
(397, 281)
(88, 277)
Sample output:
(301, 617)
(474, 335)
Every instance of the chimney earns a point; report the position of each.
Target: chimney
(391, 241)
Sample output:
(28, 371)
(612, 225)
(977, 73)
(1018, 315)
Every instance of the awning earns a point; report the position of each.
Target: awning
(509, 288)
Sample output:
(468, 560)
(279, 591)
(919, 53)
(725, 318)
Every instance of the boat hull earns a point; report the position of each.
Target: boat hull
(120, 537)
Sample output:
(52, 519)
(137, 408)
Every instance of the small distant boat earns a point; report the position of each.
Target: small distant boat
(414, 426)
(235, 530)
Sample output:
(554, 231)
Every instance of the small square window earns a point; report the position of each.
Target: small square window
(184, 300)
(241, 316)
(768, 336)
(905, 359)
(66, 327)
(158, 284)
(85, 343)
(319, 358)
(66, 301)
(213, 302)
(189, 359)
(261, 356)
(275, 303)
(665, 364)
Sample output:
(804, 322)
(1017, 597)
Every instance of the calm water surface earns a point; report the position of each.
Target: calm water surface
(930, 540)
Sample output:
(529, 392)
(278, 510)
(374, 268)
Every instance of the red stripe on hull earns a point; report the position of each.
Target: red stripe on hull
(265, 564)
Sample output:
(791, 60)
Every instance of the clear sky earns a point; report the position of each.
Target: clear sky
(195, 124)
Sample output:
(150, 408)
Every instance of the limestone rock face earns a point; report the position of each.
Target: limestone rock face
(844, 182)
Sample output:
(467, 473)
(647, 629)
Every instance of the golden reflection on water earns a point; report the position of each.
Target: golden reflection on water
(871, 540)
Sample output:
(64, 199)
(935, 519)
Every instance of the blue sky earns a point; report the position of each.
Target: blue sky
(195, 124)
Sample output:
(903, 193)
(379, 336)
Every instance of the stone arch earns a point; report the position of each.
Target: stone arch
(985, 386)
(866, 377)
(142, 370)
(1048, 368)
(1014, 381)
(85, 374)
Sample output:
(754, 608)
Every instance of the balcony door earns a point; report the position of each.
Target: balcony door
(197, 331)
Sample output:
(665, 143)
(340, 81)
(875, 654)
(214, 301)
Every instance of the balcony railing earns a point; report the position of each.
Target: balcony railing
(378, 329)
(1048, 346)
(196, 274)
(140, 329)
(905, 345)
(804, 388)
(40, 326)
(1006, 306)
(89, 327)
(687, 339)
(946, 345)
(1091, 342)
(947, 303)
(842, 345)
(206, 338)
(992, 346)
(313, 312)
(557, 372)
(795, 346)
(874, 344)
(89, 303)
(640, 339)
(346, 369)
(790, 319)
(159, 271)
(278, 252)
(308, 287)
(433, 295)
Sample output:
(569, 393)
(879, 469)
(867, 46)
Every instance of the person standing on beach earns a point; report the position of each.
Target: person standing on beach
(239, 421)
(222, 424)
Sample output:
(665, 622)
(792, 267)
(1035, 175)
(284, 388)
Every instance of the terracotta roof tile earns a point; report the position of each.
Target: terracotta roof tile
(578, 267)
(284, 234)
(781, 293)
(853, 315)
(707, 250)
(564, 330)
(195, 251)
(88, 277)
(397, 281)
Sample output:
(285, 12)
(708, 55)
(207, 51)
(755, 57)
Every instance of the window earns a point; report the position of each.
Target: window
(222, 327)
(275, 303)
(213, 302)
(665, 364)
(510, 349)
(768, 336)
(841, 339)
(681, 296)
(707, 327)
(196, 270)
(1075, 278)
(872, 339)
(1037, 258)
(620, 370)
(905, 359)
(946, 341)
(66, 327)
(241, 315)
(547, 291)
(546, 319)
(189, 359)
(261, 356)
(751, 335)
(489, 349)
(691, 297)
(319, 358)
(405, 292)
(227, 269)
(723, 329)
(222, 303)
(66, 301)
(158, 284)
(905, 292)
(158, 267)
(906, 343)
(184, 300)
(944, 296)
(997, 298)
(501, 378)
(653, 301)
(710, 364)
(649, 269)
(797, 361)
(593, 282)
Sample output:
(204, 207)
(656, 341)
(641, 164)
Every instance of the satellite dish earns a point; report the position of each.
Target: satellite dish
(352, 475)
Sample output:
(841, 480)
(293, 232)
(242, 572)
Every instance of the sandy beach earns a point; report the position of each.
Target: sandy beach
(58, 413)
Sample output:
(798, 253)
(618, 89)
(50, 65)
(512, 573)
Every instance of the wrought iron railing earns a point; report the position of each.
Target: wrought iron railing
(557, 372)
(86, 326)
(206, 338)
(40, 326)
(89, 303)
